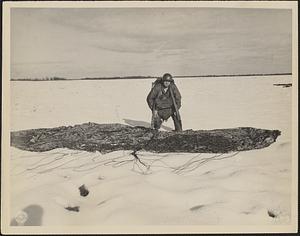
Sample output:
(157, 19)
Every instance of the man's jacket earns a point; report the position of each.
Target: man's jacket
(161, 99)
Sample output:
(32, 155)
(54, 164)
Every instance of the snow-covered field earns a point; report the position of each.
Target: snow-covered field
(246, 188)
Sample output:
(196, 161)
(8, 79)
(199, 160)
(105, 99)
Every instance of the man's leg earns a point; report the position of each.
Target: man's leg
(157, 122)
(177, 124)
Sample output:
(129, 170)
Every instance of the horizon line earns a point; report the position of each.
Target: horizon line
(56, 78)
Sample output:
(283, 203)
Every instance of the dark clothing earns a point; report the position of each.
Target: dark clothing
(161, 100)
(158, 121)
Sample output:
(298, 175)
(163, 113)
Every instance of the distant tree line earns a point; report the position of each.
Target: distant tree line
(118, 77)
(39, 79)
(144, 77)
(181, 76)
(231, 75)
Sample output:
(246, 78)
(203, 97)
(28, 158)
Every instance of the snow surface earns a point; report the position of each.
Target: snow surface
(245, 188)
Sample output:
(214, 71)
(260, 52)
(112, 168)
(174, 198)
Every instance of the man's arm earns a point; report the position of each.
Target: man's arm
(151, 97)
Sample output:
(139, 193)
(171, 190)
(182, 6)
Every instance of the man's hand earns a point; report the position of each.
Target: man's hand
(155, 113)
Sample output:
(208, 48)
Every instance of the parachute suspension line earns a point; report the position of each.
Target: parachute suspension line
(134, 153)
(189, 166)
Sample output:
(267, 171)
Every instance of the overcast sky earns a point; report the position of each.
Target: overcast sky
(76, 43)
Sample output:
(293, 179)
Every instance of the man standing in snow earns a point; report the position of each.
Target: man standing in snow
(164, 100)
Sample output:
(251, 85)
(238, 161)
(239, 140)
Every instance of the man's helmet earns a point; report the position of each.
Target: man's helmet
(167, 77)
